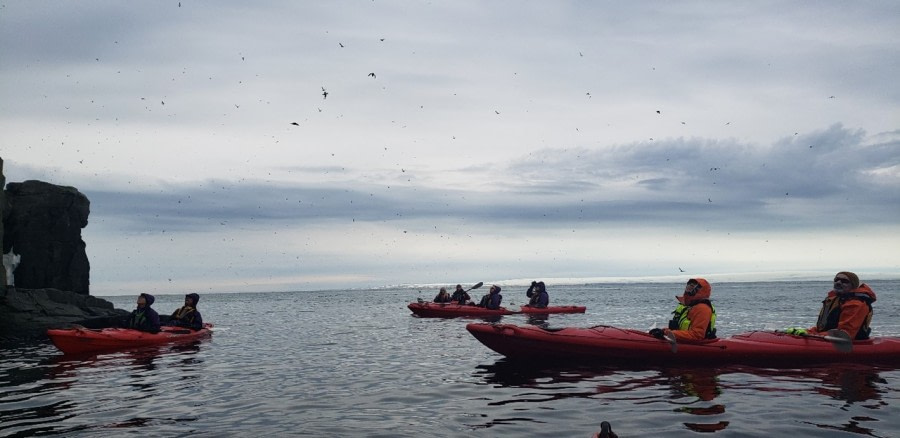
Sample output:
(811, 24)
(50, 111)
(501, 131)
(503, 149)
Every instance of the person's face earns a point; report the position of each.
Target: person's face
(188, 301)
(690, 287)
(841, 283)
(141, 301)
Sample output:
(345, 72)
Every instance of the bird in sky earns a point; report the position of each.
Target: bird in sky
(680, 270)
(295, 123)
(324, 94)
(372, 74)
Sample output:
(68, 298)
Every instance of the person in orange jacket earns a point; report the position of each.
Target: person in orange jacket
(694, 317)
(847, 307)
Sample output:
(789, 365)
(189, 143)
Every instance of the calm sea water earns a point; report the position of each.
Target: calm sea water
(357, 363)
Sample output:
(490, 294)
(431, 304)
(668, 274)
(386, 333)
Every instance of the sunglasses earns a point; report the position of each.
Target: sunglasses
(842, 280)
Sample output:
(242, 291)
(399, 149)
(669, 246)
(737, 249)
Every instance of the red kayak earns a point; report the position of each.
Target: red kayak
(606, 344)
(552, 309)
(451, 310)
(82, 340)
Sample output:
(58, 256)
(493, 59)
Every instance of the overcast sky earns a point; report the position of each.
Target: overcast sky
(460, 141)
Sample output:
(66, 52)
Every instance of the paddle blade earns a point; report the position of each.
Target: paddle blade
(672, 342)
(840, 339)
(479, 284)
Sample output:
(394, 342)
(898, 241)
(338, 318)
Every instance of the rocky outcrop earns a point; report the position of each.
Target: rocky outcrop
(3, 210)
(30, 312)
(43, 225)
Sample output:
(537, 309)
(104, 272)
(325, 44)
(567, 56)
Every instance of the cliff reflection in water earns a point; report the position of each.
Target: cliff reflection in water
(692, 391)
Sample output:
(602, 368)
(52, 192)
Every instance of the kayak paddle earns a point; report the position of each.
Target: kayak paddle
(838, 338)
(672, 342)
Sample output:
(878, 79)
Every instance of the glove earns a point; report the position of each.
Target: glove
(657, 333)
(796, 331)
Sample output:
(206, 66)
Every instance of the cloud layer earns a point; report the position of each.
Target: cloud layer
(458, 140)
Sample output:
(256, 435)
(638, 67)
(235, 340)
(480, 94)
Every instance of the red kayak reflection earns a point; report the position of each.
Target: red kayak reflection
(693, 391)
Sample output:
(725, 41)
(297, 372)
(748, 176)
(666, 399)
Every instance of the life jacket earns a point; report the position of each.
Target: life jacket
(680, 320)
(138, 319)
(830, 315)
(460, 297)
(184, 314)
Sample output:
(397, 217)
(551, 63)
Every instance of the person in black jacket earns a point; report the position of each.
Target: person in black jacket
(538, 295)
(144, 318)
(188, 315)
(492, 299)
(460, 296)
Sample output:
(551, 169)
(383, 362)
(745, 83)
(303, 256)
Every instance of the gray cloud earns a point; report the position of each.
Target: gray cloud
(796, 182)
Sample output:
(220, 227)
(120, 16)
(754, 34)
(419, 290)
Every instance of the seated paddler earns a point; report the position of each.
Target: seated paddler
(442, 296)
(460, 296)
(188, 315)
(694, 318)
(537, 295)
(492, 299)
(847, 307)
(143, 318)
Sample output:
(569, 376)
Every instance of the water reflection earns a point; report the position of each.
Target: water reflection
(694, 391)
(31, 389)
(538, 319)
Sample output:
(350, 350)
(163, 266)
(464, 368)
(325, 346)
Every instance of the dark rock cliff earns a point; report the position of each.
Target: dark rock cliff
(43, 226)
(3, 211)
(42, 223)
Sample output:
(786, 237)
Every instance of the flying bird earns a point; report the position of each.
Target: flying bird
(295, 123)
(680, 270)
(341, 44)
(372, 74)
(324, 94)
(657, 112)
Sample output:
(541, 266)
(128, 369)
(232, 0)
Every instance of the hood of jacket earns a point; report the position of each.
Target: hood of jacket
(194, 297)
(150, 299)
(703, 293)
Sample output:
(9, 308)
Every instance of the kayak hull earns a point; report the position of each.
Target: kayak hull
(76, 341)
(613, 345)
(451, 310)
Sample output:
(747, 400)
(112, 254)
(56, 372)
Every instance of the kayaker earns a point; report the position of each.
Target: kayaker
(538, 294)
(847, 307)
(492, 299)
(694, 317)
(460, 296)
(442, 296)
(144, 318)
(188, 315)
